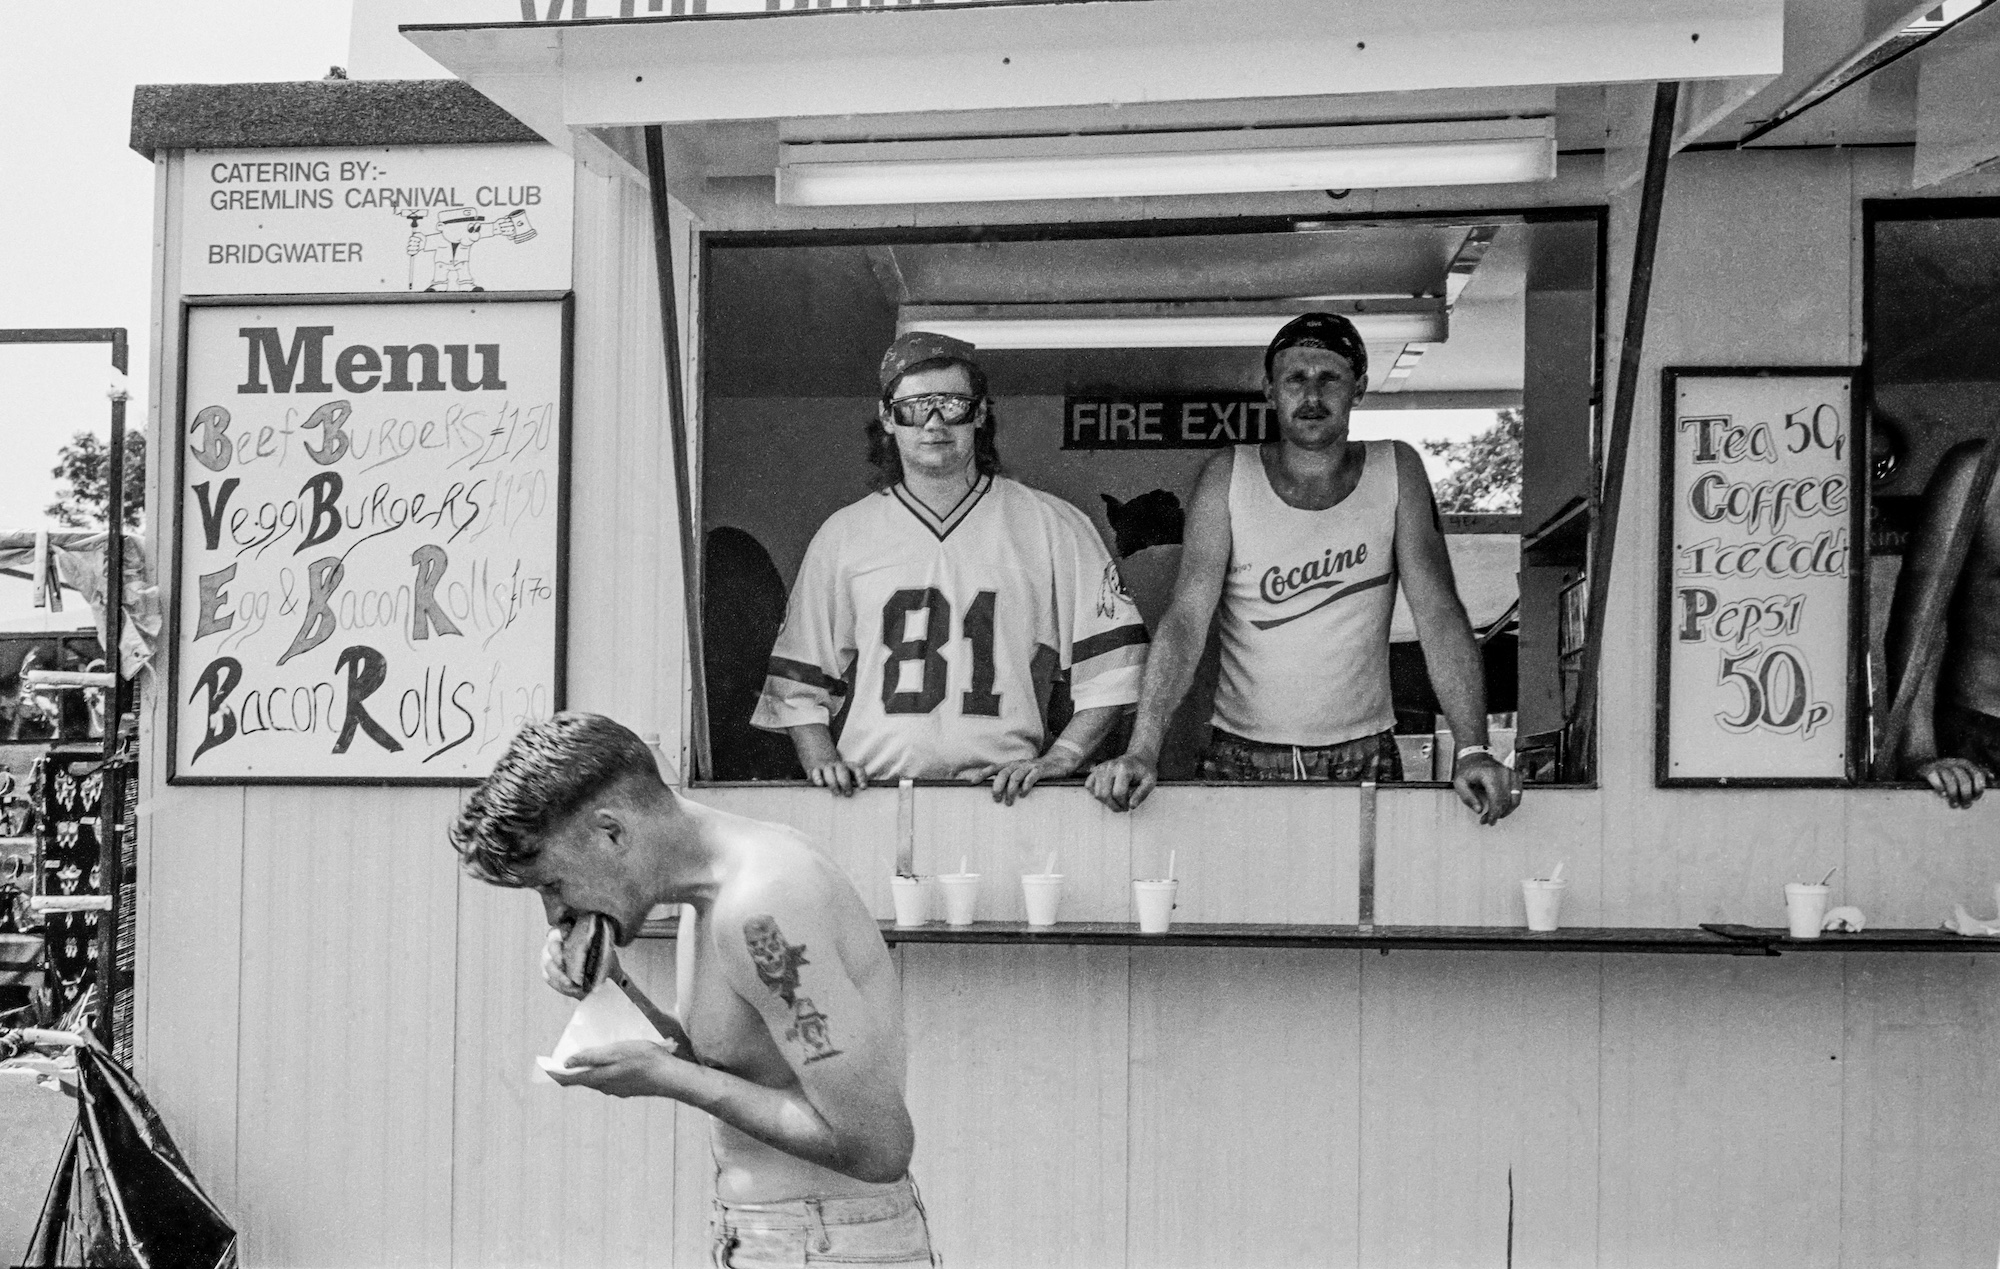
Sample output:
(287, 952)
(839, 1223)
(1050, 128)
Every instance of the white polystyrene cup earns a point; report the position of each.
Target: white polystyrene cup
(1805, 908)
(1154, 902)
(1544, 902)
(961, 896)
(913, 900)
(1042, 892)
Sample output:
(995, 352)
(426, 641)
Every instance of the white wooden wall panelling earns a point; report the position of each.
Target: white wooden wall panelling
(1435, 864)
(1920, 1139)
(1720, 1098)
(1245, 1108)
(545, 1175)
(1018, 1087)
(346, 1044)
(1255, 855)
(188, 989)
(1472, 1067)
(626, 633)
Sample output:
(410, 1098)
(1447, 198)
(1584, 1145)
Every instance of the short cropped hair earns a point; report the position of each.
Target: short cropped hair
(549, 771)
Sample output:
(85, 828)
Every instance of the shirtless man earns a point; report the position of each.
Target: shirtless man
(794, 1024)
(1302, 541)
(1952, 741)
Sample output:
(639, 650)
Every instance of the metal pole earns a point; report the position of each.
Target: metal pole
(110, 828)
(663, 252)
(1658, 150)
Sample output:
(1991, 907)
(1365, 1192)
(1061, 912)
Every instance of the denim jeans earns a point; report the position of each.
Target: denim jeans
(1231, 757)
(886, 1230)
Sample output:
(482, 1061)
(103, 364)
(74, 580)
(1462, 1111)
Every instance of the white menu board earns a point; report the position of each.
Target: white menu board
(370, 521)
(1760, 510)
(465, 218)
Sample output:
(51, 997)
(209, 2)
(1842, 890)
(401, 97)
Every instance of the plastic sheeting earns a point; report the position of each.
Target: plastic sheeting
(78, 558)
(122, 1194)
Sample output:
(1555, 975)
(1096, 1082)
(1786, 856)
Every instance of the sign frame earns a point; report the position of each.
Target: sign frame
(1855, 696)
(176, 471)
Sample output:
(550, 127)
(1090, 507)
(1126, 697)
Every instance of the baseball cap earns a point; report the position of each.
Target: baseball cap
(917, 346)
(1330, 331)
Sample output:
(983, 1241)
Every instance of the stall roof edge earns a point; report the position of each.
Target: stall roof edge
(333, 112)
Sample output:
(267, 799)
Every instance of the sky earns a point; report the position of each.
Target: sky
(76, 202)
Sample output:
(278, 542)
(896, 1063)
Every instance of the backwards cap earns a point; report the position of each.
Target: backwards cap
(1330, 331)
(917, 346)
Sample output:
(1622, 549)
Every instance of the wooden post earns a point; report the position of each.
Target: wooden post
(691, 555)
(1583, 724)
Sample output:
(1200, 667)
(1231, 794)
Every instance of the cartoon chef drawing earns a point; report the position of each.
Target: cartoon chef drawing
(454, 232)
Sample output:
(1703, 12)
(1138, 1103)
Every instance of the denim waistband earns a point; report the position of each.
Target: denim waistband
(810, 1212)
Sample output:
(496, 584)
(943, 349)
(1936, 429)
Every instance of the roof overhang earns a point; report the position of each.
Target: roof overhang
(946, 70)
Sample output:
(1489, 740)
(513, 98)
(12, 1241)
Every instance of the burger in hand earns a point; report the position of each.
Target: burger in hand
(578, 955)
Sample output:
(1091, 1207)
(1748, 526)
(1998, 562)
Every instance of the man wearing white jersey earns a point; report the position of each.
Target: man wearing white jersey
(943, 606)
(1302, 542)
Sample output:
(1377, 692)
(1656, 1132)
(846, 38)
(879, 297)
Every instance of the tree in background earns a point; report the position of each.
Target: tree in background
(84, 468)
(1485, 470)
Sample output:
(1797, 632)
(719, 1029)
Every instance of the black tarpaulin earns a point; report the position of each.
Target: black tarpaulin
(122, 1195)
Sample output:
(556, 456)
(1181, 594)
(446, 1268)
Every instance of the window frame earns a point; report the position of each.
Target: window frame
(1597, 215)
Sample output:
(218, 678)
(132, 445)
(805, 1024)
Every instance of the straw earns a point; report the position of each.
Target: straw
(1557, 875)
(1170, 865)
(1052, 864)
(1829, 874)
(962, 861)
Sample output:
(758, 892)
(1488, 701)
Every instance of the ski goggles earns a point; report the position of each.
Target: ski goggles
(951, 408)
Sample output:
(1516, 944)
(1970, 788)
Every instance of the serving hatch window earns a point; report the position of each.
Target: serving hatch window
(1113, 377)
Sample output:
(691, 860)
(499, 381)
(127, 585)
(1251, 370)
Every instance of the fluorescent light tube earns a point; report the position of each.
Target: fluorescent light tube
(1477, 152)
(1220, 330)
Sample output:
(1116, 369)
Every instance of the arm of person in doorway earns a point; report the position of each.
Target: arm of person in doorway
(838, 1102)
(1127, 780)
(1424, 567)
(1920, 586)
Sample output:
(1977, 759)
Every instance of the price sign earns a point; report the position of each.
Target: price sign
(370, 528)
(1761, 509)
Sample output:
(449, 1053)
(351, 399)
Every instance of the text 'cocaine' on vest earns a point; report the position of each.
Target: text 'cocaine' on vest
(1280, 584)
(301, 365)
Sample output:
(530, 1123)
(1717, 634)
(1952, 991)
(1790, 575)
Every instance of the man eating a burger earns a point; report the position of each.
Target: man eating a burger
(792, 1035)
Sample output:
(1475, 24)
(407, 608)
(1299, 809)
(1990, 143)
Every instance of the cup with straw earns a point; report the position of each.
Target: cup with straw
(1542, 896)
(1154, 900)
(1805, 906)
(961, 893)
(1041, 894)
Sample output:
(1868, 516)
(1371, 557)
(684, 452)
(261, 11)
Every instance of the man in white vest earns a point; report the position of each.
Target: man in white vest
(1302, 541)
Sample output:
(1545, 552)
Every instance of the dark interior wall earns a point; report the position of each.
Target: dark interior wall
(1933, 338)
(778, 467)
(796, 322)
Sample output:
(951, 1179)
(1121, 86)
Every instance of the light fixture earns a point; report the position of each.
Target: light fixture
(1382, 323)
(1134, 165)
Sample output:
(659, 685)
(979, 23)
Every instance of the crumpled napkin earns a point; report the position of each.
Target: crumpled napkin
(1966, 923)
(606, 1016)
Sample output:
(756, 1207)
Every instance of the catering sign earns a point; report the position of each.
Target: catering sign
(464, 218)
(1761, 508)
(1167, 421)
(370, 527)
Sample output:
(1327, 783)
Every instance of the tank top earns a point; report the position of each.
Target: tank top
(1306, 607)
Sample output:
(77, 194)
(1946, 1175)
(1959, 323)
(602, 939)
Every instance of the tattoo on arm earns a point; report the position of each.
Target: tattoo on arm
(778, 965)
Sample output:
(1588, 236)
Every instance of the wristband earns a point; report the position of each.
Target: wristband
(1070, 747)
(1466, 751)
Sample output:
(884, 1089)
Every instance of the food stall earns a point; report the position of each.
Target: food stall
(644, 263)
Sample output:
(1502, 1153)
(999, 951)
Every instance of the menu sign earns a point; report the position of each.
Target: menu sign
(1759, 517)
(370, 523)
(387, 218)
